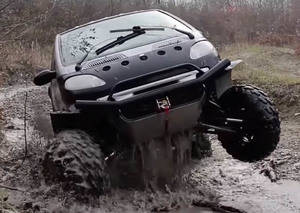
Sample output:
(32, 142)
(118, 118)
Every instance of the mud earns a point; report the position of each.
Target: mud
(219, 179)
(242, 185)
(153, 164)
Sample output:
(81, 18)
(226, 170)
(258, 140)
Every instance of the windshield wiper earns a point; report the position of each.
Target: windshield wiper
(162, 28)
(136, 31)
(189, 34)
(138, 28)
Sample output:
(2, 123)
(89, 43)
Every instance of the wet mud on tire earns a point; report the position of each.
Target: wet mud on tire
(77, 162)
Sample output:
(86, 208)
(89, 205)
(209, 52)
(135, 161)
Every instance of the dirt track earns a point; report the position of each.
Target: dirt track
(218, 178)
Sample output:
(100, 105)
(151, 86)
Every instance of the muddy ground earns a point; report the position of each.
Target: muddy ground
(218, 180)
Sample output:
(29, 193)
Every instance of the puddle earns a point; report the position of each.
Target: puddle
(283, 196)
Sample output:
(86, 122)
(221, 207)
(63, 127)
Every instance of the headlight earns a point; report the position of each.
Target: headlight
(83, 82)
(201, 49)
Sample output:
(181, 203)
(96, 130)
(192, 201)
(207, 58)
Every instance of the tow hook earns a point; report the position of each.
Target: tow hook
(164, 105)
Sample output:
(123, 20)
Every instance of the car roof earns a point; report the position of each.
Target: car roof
(124, 14)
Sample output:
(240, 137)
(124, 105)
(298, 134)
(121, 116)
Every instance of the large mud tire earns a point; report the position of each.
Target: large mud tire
(74, 160)
(262, 129)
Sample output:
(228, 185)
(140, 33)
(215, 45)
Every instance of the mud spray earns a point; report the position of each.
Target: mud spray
(154, 164)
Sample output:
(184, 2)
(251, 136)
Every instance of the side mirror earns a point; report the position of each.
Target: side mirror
(44, 77)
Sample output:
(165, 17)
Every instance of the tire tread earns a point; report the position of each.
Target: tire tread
(77, 162)
(267, 118)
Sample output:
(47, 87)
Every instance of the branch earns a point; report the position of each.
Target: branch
(10, 188)
(269, 170)
(11, 30)
(5, 6)
(216, 206)
(25, 126)
(27, 24)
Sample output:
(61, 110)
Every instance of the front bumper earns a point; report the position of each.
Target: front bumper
(131, 120)
(110, 104)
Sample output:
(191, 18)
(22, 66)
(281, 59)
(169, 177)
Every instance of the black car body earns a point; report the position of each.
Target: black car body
(144, 75)
(169, 59)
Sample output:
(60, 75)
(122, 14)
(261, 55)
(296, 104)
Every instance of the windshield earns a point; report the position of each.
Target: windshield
(76, 43)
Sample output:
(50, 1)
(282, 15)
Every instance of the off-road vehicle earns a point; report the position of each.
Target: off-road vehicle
(129, 94)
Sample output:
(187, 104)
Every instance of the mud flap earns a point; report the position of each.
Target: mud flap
(223, 83)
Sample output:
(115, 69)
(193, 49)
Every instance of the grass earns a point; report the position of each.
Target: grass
(18, 59)
(264, 65)
(1, 124)
(260, 77)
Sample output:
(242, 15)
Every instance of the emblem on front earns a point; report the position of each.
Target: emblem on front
(163, 104)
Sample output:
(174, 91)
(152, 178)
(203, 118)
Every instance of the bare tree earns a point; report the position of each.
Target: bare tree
(225, 20)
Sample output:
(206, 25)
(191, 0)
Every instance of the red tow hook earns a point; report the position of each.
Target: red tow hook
(166, 110)
(164, 105)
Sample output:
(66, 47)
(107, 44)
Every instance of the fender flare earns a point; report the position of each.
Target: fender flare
(234, 64)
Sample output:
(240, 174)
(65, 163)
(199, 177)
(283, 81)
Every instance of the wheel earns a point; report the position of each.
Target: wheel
(259, 134)
(74, 160)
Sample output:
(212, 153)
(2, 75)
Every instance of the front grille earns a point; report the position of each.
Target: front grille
(148, 106)
(149, 78)
(104, 60)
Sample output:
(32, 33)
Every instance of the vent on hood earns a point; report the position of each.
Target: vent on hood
(105, 60)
